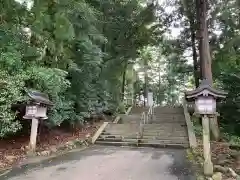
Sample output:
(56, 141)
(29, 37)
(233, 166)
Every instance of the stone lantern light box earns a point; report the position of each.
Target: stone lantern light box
(37, 107)
(205, 97)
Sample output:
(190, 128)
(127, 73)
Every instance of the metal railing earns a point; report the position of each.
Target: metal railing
(142, 122)
(150, 114)
(145, 119)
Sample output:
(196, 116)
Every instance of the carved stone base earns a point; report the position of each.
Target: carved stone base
(208, 168)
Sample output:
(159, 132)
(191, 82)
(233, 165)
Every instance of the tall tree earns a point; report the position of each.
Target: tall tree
(204, 48)
(205, 55)
(190, 11)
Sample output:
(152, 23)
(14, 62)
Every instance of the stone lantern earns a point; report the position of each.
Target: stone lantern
(205, 97)
(36, 109)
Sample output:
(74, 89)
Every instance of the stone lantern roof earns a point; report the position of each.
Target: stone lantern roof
(205, 89)
(39, 97)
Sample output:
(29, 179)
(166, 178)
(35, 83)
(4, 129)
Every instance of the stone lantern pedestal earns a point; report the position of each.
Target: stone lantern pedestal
(205, 98)
(36, 109)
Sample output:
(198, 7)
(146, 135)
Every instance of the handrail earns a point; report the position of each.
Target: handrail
(145, 119)
(150, 114)
(142, 122)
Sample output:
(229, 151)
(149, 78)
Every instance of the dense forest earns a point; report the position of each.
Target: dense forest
(91, 56)
(75, 51)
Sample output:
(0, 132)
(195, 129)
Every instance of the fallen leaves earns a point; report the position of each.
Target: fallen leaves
(13, 151)
(224, 158)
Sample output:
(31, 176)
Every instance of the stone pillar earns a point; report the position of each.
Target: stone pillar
(33, 136)
(214, 128)
(150, 99)
(208, 165)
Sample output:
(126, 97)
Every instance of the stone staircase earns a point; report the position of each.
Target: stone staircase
(166, 135)
(138, 110)
(119, 134)
(166, 129)
(168, 115)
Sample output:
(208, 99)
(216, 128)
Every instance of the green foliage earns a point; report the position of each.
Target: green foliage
(197, 126)
(74, 51)
(10, 93)
(53, 82)
(232, 139)
(226, 66)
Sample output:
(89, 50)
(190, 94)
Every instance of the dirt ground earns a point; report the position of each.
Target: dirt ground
(13, 150)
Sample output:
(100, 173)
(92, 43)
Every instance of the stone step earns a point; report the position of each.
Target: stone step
(111, 131)
(169, 112)
(149, 133)
(168, 120)
(119, 139)
(162, 135)
(166, 130)
(172, 138)
(130, 128)
(145, 140)
(113, 125)
(109, 143)
(130, 118)
(168, 117)
(126, 126)
(165, 141)
(121, 131)
(159, 118)
(118, 135)
(167, 108)
(173, 115)
(158, 123)
(155, 144)
(164, 126)
(163, 145)
(139, 110)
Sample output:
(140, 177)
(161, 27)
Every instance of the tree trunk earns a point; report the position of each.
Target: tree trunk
(194, 51)
(145, 81)
(190, 13)
(199, 37)
(159, 86)
(124, 80)
(205, 49)
(205, 56)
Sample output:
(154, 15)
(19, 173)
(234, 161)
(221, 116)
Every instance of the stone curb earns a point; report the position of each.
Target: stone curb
(190, 129)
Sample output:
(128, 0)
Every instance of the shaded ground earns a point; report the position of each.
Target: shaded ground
(13, 150)
(110, 163)
(223, 157)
